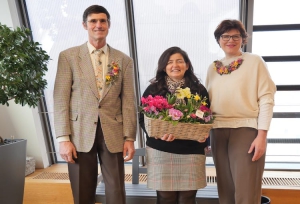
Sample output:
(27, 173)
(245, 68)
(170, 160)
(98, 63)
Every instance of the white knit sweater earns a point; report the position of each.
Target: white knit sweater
(244, 98)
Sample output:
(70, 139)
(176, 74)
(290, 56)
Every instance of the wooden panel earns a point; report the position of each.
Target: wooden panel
(282, 196)
(47, 193)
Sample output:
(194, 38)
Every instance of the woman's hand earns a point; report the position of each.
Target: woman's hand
(207, 149)
(168, 137)
(203, 139)
(259, 145)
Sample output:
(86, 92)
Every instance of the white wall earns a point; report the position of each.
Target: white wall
(21, 121)
(5, 13)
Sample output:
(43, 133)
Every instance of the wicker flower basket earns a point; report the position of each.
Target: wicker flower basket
(183, 131)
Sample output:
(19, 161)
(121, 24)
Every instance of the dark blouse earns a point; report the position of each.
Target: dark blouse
(176, 146)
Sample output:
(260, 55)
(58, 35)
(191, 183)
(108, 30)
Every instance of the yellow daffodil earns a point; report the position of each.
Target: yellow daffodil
(183, 93)
(204, 103)
(179, 94)
(197, 97)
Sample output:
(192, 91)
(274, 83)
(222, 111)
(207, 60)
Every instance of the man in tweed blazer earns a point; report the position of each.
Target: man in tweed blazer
(89, 124)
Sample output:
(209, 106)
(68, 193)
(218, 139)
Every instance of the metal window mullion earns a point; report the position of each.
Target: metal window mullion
(286, 115)
(287, 58)
(133, 54)
(282, 27)
(42, 107)
(246, 16)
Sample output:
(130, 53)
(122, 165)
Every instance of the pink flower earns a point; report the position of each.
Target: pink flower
(207, 119)
(204, 108)
(143, 100)
(154, 104)
(146, 109)
(193, 115)
(175, 114)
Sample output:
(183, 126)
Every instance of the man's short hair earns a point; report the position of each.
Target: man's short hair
(95, 9)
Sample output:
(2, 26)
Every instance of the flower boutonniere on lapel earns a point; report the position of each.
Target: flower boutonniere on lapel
(112, 73)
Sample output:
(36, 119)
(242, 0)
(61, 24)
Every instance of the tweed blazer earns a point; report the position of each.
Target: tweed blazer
(77, 105)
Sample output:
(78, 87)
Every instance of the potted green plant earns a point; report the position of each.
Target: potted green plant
(23, 64)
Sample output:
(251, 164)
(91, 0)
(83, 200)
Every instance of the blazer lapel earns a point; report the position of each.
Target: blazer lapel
(111, 57)
(87, 69)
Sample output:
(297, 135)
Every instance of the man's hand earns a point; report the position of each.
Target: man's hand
(128, 151)
(259, 145)
(67, 151)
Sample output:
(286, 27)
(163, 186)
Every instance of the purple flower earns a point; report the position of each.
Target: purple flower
(175, 114)
(207, 119)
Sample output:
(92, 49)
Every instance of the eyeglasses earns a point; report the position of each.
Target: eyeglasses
(234, 37)
(94, 21)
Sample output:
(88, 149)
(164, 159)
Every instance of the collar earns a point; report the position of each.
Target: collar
(92, 48)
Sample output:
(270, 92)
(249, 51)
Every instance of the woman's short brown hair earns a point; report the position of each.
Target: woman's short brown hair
(230, 24)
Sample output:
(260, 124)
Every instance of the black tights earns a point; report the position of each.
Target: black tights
(176, 197)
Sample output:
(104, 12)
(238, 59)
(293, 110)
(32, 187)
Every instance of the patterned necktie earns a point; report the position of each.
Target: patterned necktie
(98, 70)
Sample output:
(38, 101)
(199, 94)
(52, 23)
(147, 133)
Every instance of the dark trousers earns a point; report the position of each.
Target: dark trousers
(84, 173)
(176, 197)
(239, 179)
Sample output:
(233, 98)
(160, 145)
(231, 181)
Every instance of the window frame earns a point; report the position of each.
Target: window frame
(246, 16)
(283, 58)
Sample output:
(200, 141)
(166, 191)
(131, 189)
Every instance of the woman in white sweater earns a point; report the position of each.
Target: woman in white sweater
(242, 98)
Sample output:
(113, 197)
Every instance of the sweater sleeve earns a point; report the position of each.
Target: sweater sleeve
(264, 117)
(266, 91)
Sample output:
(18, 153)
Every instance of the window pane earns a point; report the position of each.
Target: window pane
(283, 153)
(287, 101)
(186, 24)
(284, 128)
(276, 43)
(280, 43)
(285, 73)
(282, 12)
(57, 25)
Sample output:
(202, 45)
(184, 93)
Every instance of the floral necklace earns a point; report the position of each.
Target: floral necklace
(227, 69)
